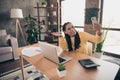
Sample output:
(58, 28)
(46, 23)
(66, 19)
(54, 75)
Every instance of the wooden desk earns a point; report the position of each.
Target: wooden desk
(75, 71)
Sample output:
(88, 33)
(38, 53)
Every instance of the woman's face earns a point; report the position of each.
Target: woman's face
(70, 30)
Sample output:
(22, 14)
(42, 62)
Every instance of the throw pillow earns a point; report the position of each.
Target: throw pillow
(4, 40)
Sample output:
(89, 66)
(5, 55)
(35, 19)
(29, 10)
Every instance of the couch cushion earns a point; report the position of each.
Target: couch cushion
(4, 40)
(5, 50)
(3, 32)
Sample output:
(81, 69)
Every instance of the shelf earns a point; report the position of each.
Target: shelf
(50, 16)
(51, 39)
(43, 32)
(52, 24)
(47, 16)
(49, 24)
(48, 7)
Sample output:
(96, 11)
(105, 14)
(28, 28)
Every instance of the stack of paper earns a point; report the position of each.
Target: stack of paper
(31, 51)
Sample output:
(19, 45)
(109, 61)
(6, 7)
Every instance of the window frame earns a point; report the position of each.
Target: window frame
(104, 28)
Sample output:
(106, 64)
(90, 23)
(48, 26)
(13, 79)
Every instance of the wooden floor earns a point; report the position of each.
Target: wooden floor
(10, 66)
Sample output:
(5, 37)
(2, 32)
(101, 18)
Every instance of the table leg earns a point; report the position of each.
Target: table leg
(22, 66)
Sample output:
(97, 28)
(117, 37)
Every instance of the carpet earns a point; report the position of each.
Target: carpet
(30, 72)
(11, 66)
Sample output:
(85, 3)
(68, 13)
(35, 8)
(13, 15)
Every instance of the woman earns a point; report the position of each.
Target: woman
(77, 41)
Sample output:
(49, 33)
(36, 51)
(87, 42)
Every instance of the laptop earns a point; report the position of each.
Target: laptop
(50, 52)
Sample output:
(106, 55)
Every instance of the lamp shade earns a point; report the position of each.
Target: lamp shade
(16, 13)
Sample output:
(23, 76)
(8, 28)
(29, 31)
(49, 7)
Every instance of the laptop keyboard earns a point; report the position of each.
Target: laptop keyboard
(61, 59)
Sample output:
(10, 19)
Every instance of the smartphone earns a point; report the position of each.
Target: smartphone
(94, 20)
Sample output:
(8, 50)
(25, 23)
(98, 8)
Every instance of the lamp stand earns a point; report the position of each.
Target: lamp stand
(18, 26)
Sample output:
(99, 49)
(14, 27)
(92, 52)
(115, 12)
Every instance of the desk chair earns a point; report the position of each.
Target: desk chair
(89, 47)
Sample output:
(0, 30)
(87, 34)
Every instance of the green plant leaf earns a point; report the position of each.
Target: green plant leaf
(61, 67)
(32, 31)
(44, 2)
(100, 45)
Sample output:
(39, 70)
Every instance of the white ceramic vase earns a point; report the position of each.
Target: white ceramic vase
(61, 73)
(98, 54)
(44, 5)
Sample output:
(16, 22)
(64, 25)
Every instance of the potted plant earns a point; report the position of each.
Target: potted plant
(44, 3)
(32, 31)
(61, 70)
(98, 49)
(99, 46)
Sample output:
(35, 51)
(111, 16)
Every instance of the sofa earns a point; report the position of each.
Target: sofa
(8, 44)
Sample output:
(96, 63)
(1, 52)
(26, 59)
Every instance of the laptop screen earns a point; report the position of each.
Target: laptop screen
(50, 51)
(53, 52)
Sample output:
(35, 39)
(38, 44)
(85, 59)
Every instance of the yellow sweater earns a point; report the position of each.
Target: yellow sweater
(85, 37)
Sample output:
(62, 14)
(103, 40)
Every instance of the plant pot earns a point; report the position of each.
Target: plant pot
(44, 5)
(61, 73)
(98, 54)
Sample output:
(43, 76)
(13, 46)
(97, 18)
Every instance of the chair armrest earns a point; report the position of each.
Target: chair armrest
(14, 44)
(90, 48)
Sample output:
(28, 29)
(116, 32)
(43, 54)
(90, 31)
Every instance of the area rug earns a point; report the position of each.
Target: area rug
(13, 70)
(30, 73)
(11, 66)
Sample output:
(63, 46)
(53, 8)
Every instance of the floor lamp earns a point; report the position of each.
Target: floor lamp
(17, 14)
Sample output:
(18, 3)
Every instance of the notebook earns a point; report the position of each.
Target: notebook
(53, 53)
(88, 63)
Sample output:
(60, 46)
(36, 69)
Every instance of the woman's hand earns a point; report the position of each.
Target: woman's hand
(59, 34)
(97, 27)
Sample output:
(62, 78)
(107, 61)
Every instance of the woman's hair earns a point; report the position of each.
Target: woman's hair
(64, 25)
(77, 40)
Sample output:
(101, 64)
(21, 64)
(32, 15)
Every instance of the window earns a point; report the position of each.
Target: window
(111, 16)
(73, 11)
